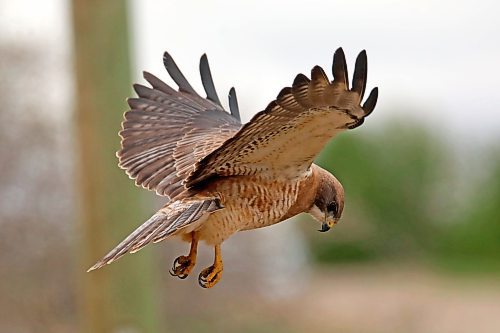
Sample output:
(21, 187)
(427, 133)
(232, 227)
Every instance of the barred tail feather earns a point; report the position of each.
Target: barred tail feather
(177, 215)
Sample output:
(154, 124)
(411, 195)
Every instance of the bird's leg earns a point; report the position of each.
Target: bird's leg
(184, 264)
(211, 275)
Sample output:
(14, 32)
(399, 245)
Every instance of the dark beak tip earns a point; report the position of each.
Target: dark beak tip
(324, 227)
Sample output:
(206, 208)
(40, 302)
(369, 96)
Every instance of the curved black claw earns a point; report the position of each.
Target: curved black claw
(181, 267)
(202, 278)
(208, 277)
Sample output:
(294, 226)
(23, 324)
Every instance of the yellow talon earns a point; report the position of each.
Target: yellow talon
(211, 275)
(183, 265)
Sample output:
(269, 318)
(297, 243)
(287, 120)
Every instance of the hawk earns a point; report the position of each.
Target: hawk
(220, 176)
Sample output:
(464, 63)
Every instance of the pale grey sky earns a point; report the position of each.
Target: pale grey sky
(440, 58)
(435, 61)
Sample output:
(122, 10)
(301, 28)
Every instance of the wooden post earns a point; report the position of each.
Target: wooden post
(119, 296)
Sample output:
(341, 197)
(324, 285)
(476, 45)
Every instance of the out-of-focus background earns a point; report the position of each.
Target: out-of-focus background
(418, 248)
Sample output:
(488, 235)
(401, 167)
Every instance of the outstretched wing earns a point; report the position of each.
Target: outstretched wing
(166, 131)
(284, 139)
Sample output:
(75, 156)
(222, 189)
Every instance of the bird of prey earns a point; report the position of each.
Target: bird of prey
(220, 176)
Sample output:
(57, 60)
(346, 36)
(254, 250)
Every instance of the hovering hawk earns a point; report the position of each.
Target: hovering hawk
(220, 176)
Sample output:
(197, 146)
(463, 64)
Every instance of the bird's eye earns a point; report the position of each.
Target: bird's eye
(332, 208)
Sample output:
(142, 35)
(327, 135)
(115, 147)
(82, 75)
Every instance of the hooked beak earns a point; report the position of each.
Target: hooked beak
(324, 227)
(327, 224)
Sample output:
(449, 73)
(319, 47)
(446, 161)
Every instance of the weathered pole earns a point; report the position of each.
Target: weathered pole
(120, 296)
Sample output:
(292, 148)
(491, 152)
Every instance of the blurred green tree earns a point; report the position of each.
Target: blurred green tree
(390, 177)
(119, 297)
(472, 242)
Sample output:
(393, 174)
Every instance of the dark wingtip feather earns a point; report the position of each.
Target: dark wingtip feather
(317, 73)
(130, 101)
(136, 103)
(150, 78)
(141, 90)
(284, 92)
(176, 74)
(360, 72)
(300, 90)
(233, 104)
(147, 75)
(300, 79)
(339, 67)
(156, 83)
(136, 87)
(207, 80)
(371, 102)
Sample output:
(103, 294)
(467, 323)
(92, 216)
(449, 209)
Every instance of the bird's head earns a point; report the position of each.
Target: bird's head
(328, 204)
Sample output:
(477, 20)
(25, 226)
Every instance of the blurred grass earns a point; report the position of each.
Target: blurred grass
(343, 252)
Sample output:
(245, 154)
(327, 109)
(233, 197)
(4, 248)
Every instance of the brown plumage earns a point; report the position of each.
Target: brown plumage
(221, 177)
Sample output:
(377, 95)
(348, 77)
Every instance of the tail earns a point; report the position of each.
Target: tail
(165, 222)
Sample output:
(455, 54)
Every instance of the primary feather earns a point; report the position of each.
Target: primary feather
(284, 139)
(166, 131)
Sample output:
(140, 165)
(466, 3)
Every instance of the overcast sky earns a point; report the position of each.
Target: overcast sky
(436, 61)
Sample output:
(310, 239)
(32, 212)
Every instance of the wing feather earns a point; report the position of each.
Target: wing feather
(359, 77)
(166, 131)
(284, 139)
(206, 79)
(371, 101)
(177, 75)
(339, 68)
(233, 104)
(300, 91)
(317, 86)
